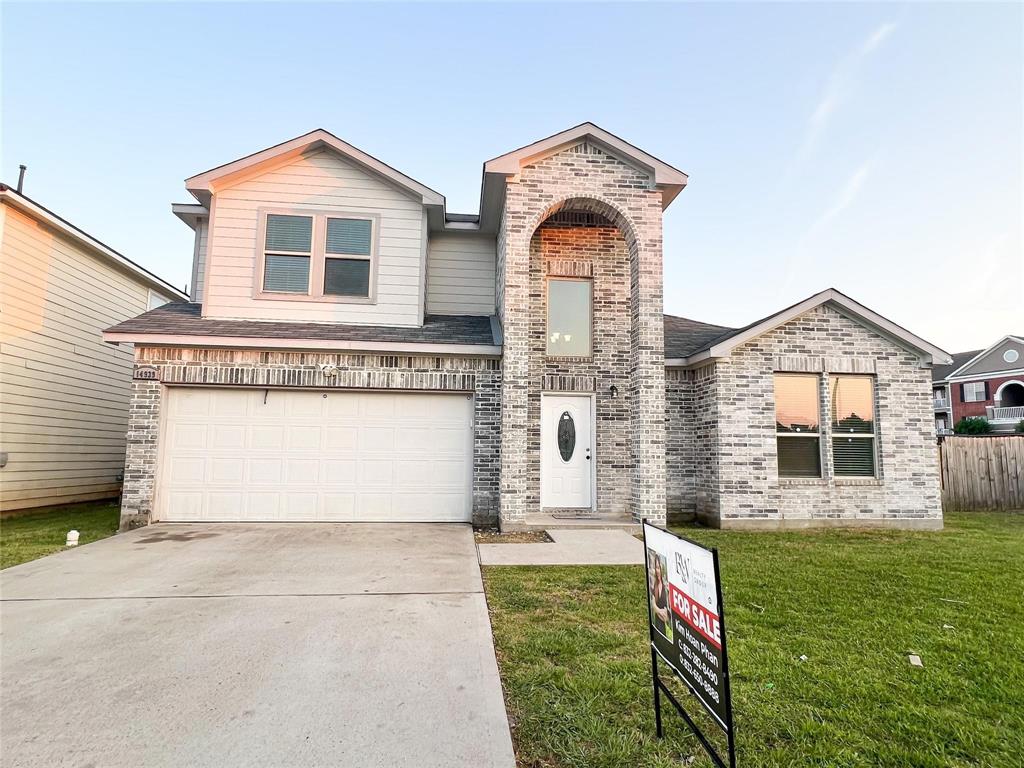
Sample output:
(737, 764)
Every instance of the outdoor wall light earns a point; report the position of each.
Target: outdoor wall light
(614, 390)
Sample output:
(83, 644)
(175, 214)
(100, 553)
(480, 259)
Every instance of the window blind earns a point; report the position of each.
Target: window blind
(349, 236)
(286, 274)
(289, 233)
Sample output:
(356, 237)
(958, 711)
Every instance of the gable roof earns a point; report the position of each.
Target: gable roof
(203, 185)
(40, 213)
(669, 180)
(722, 345)
(941, 372)
(963, 368)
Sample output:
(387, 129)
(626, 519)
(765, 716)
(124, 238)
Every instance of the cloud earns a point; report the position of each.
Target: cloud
(877, 37)
(840, 84)
(847, 195)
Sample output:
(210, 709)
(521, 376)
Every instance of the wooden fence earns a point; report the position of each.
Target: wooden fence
(982, 472)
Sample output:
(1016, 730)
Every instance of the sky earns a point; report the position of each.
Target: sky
(873, 148)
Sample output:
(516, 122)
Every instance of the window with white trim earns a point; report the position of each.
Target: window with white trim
(974, 392)
(325, 256)
(853, 425)
(797, 424)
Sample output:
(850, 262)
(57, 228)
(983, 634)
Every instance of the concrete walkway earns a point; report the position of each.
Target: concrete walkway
(569, 547)
(253, 645)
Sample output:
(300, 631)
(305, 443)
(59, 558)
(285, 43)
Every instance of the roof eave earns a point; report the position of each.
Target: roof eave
(270, 342)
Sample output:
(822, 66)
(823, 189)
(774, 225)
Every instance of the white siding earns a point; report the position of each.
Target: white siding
(460, 274)
(321, 181)
(64, 403)
(199, 259)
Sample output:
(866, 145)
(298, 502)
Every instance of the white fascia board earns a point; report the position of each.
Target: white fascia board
(249, 342)
(204, 184)
(981, 354)
(847, 306)
(663, 174)
(83, 238)
(985, 376)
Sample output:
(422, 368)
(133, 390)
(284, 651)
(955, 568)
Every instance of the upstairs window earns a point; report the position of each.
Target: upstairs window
(347, 257)
(975, 392)
(853, 425)
(797, 428)
(318, 256)
(569, 318)
(288, 252)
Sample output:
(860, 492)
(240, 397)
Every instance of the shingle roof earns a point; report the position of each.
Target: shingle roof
(684, 337)
(940, 372)
(186, 319)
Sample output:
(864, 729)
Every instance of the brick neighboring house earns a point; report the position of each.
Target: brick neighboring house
(983, 382)
(353, 351)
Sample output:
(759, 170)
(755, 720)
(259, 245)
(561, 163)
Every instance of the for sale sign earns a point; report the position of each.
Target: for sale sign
(685, 608)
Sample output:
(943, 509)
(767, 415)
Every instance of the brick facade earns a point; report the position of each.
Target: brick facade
(585, 179)
(730, 405)
(369, 371)
(962, 410)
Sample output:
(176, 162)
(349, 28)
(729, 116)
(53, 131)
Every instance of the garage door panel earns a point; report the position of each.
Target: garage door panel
(341, 438)
(227, 436)
(266, 470)
(189, 435)
(267, 437)
(227, 470)
(338, 472)
(303, 438)
(252, 454)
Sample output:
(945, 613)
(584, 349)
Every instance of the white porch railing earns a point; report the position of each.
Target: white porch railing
(940, 403)
(1011, 413)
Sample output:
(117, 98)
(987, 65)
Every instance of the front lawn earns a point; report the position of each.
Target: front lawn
(572, 644)
(29, 535)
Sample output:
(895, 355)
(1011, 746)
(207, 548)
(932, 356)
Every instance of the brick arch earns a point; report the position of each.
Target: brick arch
(588, 204)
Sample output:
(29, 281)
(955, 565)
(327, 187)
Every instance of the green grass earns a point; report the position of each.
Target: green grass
(30, 535)
(572, 644)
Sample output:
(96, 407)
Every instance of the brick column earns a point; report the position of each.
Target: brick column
(140, 456)
(514, 255)
(647, 366)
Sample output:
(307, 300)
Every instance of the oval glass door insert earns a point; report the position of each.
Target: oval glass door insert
(566, 436)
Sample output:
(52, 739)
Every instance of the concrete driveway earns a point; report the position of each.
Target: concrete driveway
(252, 645)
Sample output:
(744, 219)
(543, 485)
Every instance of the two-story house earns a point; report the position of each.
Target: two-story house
(983, 382)
(353, 351)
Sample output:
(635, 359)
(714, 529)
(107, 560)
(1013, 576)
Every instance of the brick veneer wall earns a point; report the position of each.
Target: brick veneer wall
(740, 486)
(599, 253)
(240, 367)
(583, 178)
(962, 409)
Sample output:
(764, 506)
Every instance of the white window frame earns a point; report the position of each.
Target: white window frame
(975, 388)
(873, 435)
(547, 316)
(317, 256)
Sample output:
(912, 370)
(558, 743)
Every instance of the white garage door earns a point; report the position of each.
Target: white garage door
(262, 455)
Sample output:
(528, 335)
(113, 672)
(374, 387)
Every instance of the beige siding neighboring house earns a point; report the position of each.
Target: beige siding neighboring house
(63, 393)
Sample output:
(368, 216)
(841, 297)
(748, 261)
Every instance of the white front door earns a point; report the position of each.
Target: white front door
(566, 451)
